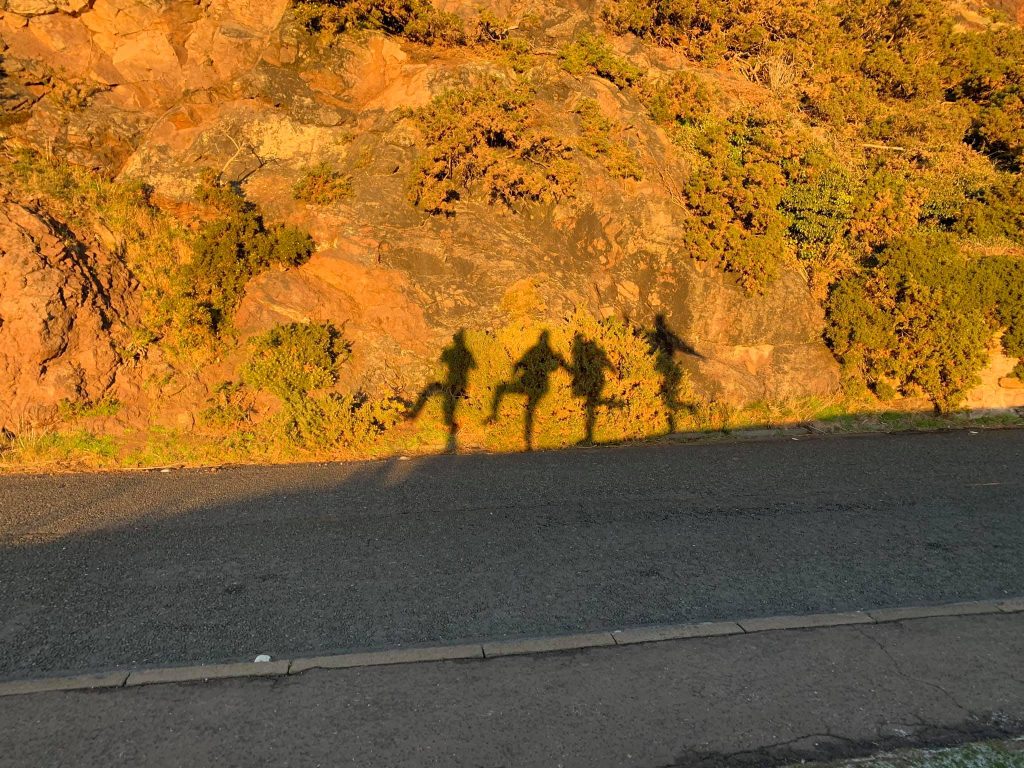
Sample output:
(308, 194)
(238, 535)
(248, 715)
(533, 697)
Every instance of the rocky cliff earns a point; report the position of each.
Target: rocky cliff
(163, 91)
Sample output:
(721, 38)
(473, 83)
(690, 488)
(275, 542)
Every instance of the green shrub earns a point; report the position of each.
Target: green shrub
(590, 54)
(603, 139)
(334, 421)
(988, 210)
(106, 407)
(991, 64)
(679, 103)
(416, 20)
(485, 138)
(297, 363)
(710, 29)
(921, 317)
(229, 251)
(292, 360)
(819, 204)
(322, 185)
(230, 406)
(734, 194)
(495, 35)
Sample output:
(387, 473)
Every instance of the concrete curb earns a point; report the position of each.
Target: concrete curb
(927, 612)
(74, 683)
(806, 622)
(547, 644)
(204, 672)
(503, 648)
(677, 632)
(381, 658)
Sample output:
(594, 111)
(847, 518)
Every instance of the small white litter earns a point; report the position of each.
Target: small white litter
(262, 659)
(165, 471)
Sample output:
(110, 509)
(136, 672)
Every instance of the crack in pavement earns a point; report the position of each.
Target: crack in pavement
(906, 676)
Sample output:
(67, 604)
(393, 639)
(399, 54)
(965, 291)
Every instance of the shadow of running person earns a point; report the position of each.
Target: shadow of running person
(531, 376)
(588, 366)
(458, 361)
(664, 345)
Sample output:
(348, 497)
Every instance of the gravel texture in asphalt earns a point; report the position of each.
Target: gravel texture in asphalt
(134, 569)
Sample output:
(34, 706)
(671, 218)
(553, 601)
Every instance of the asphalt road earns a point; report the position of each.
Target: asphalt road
(106, 570)
(764, 699)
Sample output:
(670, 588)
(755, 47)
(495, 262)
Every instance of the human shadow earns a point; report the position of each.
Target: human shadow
(531, 376)
(664, 346)
(588, 365)
(458, 361)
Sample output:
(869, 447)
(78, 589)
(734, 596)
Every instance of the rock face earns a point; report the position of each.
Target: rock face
(146, 52)
(1015, 9)
(178, 85)
(58, 303)
(997, 390)
(174, 86)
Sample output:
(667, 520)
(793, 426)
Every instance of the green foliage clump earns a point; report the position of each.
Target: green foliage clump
(680, 103)
(322, 185)
(591, 54)
(297, 363)
(989, 210)
(820, 205)
(918, 321)
(734, 196)
(992, 80)
(416, 20)
(487, 138)
(494, 34)
(103, 408)
(230, 406)
(292, 360)
(710, 29)
(229, 251)
(602, 138)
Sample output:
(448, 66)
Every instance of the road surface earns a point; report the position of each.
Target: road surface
(111, 570)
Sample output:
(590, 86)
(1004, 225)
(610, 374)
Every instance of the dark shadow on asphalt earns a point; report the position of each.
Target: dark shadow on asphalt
(134, 569)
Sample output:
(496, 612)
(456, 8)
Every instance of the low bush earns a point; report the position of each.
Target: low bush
(106, 407)
(229, 251)
(416, 20)
(734, 195)
(919, 320)
(298, 363)
(486, 139)
(322, 185)
(591, 54)
(679, 103)
(992, 81)
(603, 139)
(711, 29)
